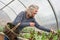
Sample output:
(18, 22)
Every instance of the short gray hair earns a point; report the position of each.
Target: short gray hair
(33, 7)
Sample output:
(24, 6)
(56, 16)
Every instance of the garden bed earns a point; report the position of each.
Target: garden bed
(31, 34)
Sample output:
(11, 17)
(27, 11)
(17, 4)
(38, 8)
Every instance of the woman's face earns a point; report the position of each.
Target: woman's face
(34, 12)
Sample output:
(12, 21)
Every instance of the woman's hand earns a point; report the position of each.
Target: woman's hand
(32, 24)
(54, 32)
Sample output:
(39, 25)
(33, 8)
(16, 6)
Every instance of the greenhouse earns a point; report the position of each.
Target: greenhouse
(48, 16)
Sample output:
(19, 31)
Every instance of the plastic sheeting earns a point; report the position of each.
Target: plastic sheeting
(45, 16)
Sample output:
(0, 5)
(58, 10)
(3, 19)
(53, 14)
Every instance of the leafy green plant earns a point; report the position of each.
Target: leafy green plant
(44, 36)
(35, 35)
(58, 32)
(27, 35)
(1, 28)
(52, 36)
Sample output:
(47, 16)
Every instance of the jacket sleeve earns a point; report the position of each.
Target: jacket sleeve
(41, 27)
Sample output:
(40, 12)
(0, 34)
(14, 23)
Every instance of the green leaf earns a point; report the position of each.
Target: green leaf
(27, 35)
(55, 37)
(1, 28)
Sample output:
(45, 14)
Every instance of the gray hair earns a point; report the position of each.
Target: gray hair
(31, 8)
